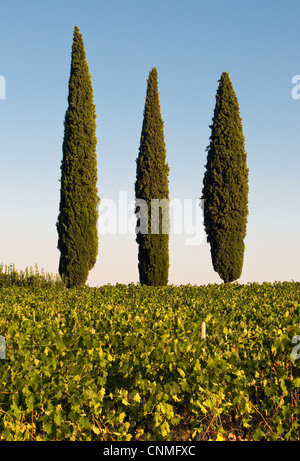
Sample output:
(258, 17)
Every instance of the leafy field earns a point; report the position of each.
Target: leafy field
(126, 362)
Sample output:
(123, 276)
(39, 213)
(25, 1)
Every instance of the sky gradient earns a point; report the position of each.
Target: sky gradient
(191, 43)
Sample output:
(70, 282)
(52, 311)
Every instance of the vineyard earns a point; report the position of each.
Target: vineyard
(127, 362)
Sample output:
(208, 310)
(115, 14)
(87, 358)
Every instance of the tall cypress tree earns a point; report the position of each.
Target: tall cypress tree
(78, 212)
(225, 185)
(152, 186)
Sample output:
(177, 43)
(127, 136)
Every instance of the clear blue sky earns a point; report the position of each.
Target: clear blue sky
(191, 42)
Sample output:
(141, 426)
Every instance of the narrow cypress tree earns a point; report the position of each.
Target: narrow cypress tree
(152, 184)
(78, 212)
(225, 185)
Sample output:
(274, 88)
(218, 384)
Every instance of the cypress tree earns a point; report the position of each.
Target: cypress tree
(78, 211)
(152, 186)
(225, 185)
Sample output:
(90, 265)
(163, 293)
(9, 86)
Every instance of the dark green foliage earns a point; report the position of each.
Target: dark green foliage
(77, 220)
(225, 185)
(152, 183)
